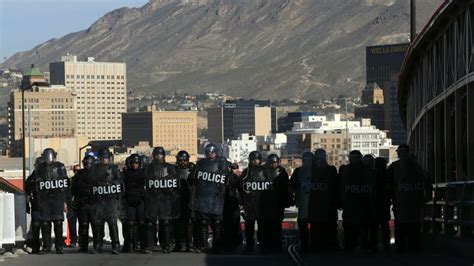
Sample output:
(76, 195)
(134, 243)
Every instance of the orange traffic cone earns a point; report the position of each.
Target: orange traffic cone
(67, 241)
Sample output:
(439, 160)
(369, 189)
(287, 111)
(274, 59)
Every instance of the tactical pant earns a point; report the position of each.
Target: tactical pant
(232, 235)
(182, 228)
(351, 235)
(149, 240)
(202, 221)
(385, 228)
(58, 234)
(304, 233)
(250, 234)
(407, 237)
(270, 235)
(98, 231)
(84, 218)
(35, 232)
(133, 227)
(164, 227)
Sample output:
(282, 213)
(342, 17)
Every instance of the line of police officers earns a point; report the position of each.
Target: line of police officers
(185, 200)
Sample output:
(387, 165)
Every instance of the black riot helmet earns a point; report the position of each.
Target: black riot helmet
(255, 155)
(320, 157)
(210, 149)
(307, 157)
(104, 156)
(88, 161)
(159, 154)
(369, 160)
(134, 159)
(273, 158)
(182, 156)
(144, 160)
(49, 155)
(355, 157)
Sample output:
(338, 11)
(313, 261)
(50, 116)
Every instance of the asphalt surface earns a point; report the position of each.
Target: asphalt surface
(73, 258)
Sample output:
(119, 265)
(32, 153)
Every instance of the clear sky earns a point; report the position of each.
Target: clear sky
(27, 23)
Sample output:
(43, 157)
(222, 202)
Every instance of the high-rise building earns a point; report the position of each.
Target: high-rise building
(383, 63)
(236, 117)
(374, 108)
(173, 130)
(50, 111)
(101, 94)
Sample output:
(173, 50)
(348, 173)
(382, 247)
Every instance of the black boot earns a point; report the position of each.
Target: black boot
(114, 238)
(130, 237)
(97, 235)
(177, 231)
(58, 236)
(217, 237)
(83, 236)
(188, 236)
(35, 241)
(164, 235)
(46, 233)
(204, 235)
(149, 237)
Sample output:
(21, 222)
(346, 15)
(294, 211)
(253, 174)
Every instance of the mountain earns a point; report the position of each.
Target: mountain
(252, 48)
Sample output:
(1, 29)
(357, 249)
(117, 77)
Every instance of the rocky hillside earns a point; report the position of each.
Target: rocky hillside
(251, 48)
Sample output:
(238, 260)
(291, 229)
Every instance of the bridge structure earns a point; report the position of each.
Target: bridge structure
(436, 102)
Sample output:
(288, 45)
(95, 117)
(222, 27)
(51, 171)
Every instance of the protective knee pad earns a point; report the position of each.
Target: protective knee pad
(83, 228)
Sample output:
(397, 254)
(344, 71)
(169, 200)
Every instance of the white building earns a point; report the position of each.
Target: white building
(237, 151)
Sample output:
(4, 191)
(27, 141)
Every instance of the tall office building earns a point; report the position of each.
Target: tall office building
(374, 108)
(101, 94)
(173, 130)
(383, 63)
(285, 123)
(237, 117)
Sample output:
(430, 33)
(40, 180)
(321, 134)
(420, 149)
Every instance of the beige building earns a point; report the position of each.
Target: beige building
(50, 111)
(173, 130)
(101, 94)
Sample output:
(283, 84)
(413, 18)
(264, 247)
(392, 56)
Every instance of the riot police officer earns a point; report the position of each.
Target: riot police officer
(271, 205)
(232, 235)
(182, 227)
(106, 191)
(209, 184)
(51, 187)
(32, 207)
(162, 199)
(250, 184)
(300, 184)
(358, 201)
(410, 188)
(383, 197)
(134, 183)
(81, 192)
(72, 210)
(323, 201)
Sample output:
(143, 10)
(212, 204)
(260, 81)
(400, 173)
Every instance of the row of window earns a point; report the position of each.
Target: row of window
(96, 76)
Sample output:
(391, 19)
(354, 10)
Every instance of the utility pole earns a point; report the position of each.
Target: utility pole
(347, 129)
(412, 20)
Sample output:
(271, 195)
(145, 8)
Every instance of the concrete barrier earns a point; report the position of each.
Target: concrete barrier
(7, 219)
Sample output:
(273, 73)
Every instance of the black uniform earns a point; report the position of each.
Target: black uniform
(323, 203)
(209, 184)
(410, 189)
(134, 196)
(162, 201)
(271, 207)
(106, 191)
(232, 235)
(182, 227)
(358, 203)
(32, 208)
(51, 188)
(81, 192)
(383, 198)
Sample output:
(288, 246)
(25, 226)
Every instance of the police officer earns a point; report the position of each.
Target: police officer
(383, 196)
(358, 201)
(209, 183)
(249, 186)
(134, 183)
(322, 206)
(182, 227)
(272, 203)
(32, 207)
(81, 192)
(300, 184)
(162, 199)
(51, 187)
(411, 188)
(72, 210)
(232, 235)
(106, 191)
